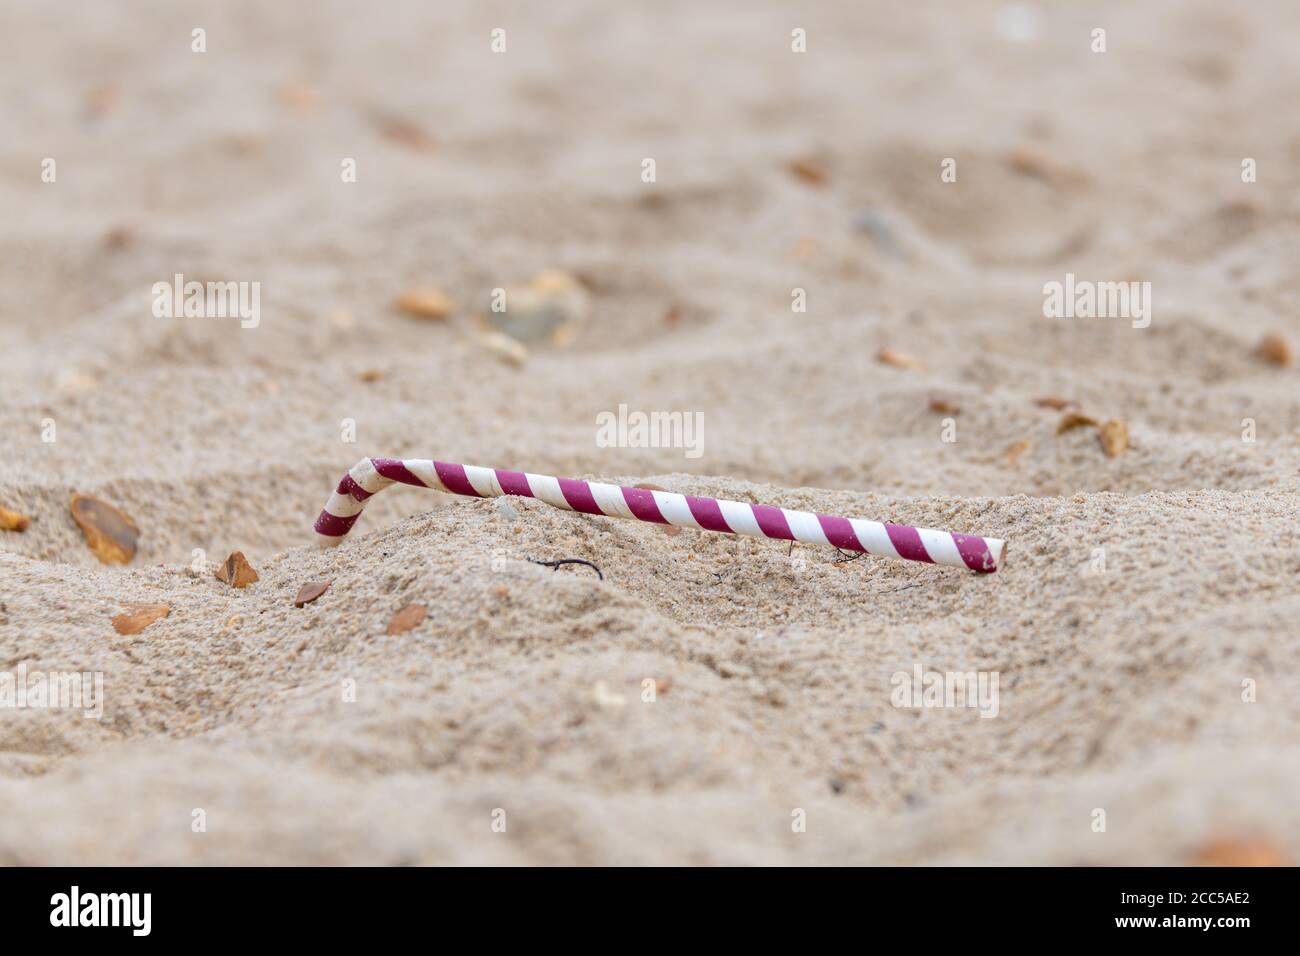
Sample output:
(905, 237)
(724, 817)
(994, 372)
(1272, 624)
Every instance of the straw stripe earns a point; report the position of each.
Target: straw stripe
(708, 514)
(643, 505)
(371, 475)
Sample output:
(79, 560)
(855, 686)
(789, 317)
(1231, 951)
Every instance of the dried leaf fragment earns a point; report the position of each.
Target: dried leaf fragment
(1239, 852)
(236, 571)
(1054, 402)
(1114, 437)
(405, 133)
(299, 96)
(428, 302)
(118, 238)
(899, 359)
(13, 521)
(407, 618)
(809, 169)
(109, 533)
(103, 99)
(1274, 349)
(943, 406)
(804, 247)
(139, 616)
(1014, 451)
(1032, 161)
(310, 592)
(1072, 420)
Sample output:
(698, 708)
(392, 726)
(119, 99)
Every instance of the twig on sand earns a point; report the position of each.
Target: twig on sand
(554, 565)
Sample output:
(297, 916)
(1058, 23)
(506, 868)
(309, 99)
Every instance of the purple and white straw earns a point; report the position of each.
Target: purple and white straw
(371, 475)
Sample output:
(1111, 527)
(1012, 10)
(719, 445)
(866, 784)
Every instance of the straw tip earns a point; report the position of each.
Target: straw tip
(997, 554)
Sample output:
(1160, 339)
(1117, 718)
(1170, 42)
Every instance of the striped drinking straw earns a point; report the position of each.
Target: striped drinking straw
(371, 475)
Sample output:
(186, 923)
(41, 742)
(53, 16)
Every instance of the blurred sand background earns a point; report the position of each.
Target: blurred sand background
(1120, 689)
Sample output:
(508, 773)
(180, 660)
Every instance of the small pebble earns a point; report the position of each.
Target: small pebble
(425, 303)
(873, 225)
(13, 521)
(899, 359)
(546, 311)
(1114, 437)
(504, 347)
(1274, 349)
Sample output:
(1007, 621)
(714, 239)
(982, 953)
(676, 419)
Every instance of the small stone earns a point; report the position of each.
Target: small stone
(428, 302)
(73, 381)
(604, 697)
(13, 521)
(547, 310)
(505, 348)
(236, 571)
(1072, 420)
(310, 592)
(407, 618)
(555, 282)
(899, 359)
(371, 375)
(809, 169)
(110, 534)
(1274, 349)
(1114, 437)
(871, 223)
(139, 616)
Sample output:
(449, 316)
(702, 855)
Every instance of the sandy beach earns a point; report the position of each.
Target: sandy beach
(835, 263)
